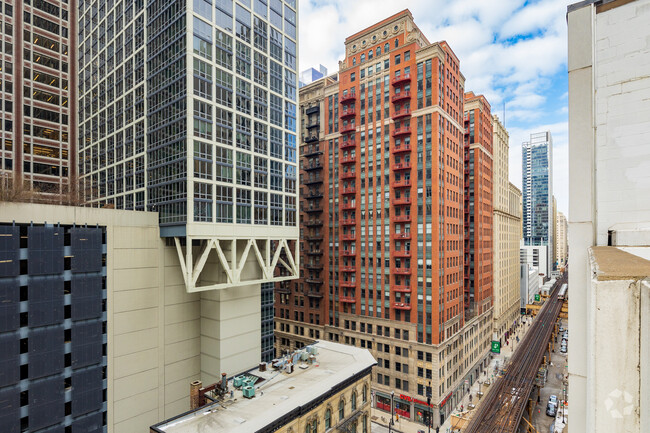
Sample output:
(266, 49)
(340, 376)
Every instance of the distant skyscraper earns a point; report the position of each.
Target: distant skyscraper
(38, 126)
(310, 75)
(537, 190)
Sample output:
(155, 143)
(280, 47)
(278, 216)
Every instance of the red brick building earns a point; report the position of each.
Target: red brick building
(382, 219)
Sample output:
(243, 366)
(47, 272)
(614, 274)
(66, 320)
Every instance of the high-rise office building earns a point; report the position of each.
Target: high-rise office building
(507, 236)
(310, 75)
(39, 90)
(478, 205)
(537, 190)
(382, 220)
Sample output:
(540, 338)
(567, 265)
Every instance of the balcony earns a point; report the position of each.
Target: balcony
(347, 144)
(401, 95)
(311, 138)
(312, 110)
(313, 223)
(402, 271)
(313, 125)
(401, 148)
(314, 280)
(314, 252)
(350, 190)
(313, 209)
(347, 269)
(400, 236)
(313, 195)
(347, 98)
(283, 289)
(313, 238)
(312, 151)
(347, 299)
(402, 113)
(310, 167)
(348, 175)
(350, 159)
(350, 127)
(402, 165)
(401, 200)
(312, 180)
(402, 183)
(401, 253)
(314, 294)
(400, 79)
(314, 266)
(401, 131)
(348, 253)
(348, 236)
(402, 218)
(347, 112)
(401, 306)
(349, 222)
(402, 289)
(349, 206)
(349, 284)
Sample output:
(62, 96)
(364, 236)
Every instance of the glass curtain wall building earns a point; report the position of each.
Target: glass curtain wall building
(537, 185)
(189, 109)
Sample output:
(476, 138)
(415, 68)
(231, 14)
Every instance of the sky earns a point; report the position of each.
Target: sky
(512, 51)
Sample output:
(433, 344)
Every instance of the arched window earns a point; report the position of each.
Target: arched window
(364, 424)
(354, 61)
(362, 58)
(328, 418)
(341, 410)
(396, 43)
(353, 401)
(370, 53)
(378, 52)
(386, 47)
(308, 428)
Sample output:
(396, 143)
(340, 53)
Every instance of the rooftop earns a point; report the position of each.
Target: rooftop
(621, 263)
(277, 393)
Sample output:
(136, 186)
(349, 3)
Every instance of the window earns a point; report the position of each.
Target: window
(341, 410)
(353, 401)
(328, 418)
(396, 43)
(407, 56)
(352, 77)
(398, 59)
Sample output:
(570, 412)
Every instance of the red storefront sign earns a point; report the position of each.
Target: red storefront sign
(407, 398)
(442, 403)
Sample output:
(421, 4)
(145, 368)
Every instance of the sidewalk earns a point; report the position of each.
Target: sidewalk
(381, 418)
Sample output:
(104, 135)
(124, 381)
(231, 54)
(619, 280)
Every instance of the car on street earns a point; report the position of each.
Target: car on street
(563, 348)
(551, 409)
(553, 399)
(561, 328)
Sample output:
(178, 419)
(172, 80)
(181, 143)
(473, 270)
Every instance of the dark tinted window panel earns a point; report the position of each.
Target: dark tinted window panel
(54, 429)
(9, 251)
(10, 409)
(86, 247)
(45, 351)
(45, 301)
(88, 424)
(86, 344)
(9, 305)
(9, 359)
(46, 403)
(45, 250)
(86, 297)
(87, 391)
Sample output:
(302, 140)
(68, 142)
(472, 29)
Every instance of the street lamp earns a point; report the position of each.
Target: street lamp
(429, 407)
(392, 397)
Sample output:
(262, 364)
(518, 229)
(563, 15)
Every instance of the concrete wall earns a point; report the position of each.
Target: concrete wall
(158, 334)
(609, 164)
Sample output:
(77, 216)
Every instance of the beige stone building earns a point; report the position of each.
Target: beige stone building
(327, 391)
(158, 337)
(561, 240)
(507, 235)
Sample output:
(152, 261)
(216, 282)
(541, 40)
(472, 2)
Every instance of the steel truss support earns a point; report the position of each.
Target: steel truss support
(261, 257)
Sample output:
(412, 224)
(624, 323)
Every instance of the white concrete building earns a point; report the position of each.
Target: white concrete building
(609, 180)
(561, 228)
(535, 255)
(531, 282)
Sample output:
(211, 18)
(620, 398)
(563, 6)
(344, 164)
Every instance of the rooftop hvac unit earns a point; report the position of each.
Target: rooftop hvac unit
(248, 391)
(304, 356)
(248, 381)
(238, 381)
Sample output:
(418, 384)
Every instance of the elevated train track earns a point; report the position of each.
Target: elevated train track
(503, 407)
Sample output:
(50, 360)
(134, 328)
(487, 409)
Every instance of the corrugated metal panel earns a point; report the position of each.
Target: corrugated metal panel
(86, 297)
(46, 403)
(10, 409)
(86, 247)
(87, 389)
(88, 424)
(86, 344)
(45, 351)
(9, 305)
(9, 251)
(45, 299)
(45, 250)
(9, 359)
